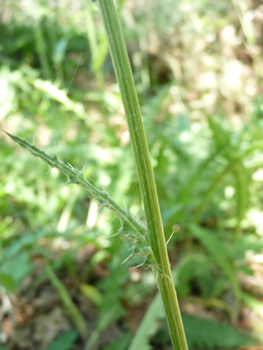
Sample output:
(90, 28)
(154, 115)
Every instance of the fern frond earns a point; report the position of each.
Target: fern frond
(221, 257)
(208, 334)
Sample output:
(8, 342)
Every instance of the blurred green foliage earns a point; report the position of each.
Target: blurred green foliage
(198, 70)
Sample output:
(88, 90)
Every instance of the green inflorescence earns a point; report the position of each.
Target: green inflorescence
(133, 229)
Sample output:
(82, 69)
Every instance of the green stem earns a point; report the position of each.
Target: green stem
(144, 169)
(42, 51)
(93, 41)
(71, 308)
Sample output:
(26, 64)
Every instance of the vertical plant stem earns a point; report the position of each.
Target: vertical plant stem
(93, 41)
(42, 51)
(144, 169)
(71, 308)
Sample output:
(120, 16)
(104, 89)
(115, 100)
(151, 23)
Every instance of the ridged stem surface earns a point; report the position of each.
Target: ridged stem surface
(155, 233)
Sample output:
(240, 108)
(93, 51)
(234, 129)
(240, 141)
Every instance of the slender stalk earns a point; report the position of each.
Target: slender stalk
(94, 45)
(155, 233)
(42, 51)
(71, 308)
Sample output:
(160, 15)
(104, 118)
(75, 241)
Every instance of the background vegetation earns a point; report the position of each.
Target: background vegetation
(198, 70)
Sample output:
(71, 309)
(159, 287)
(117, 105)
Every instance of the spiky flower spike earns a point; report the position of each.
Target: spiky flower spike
(131, 228)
